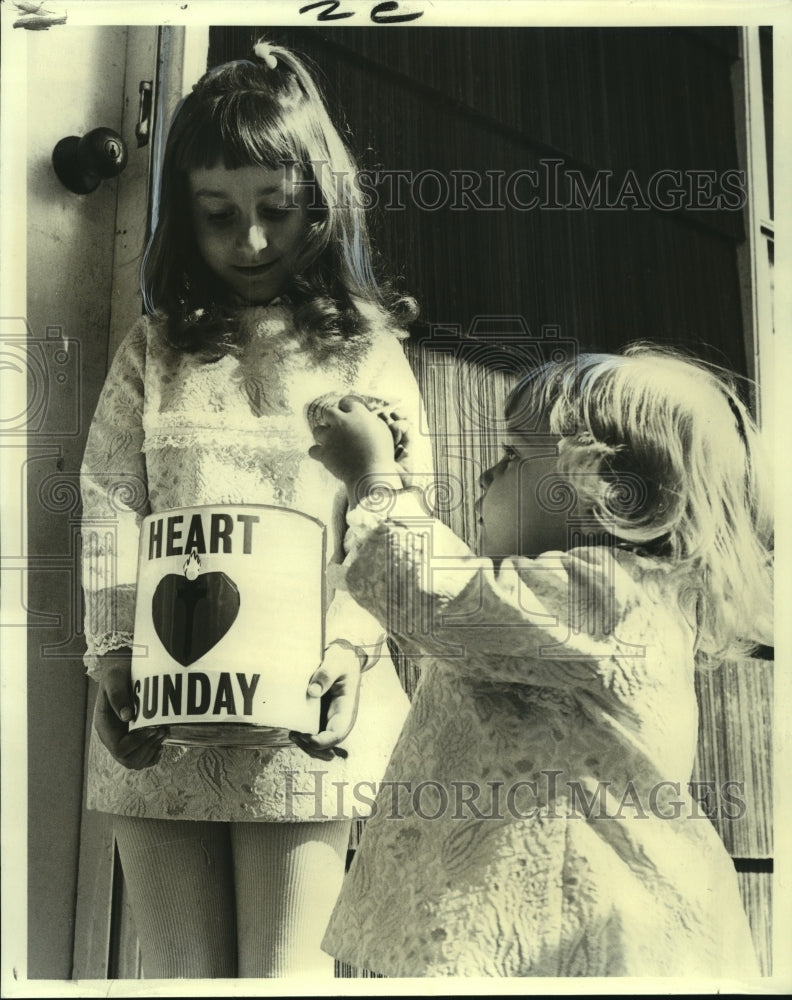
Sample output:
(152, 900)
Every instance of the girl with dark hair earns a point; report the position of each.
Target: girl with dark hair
(240, 116)
(260, 296)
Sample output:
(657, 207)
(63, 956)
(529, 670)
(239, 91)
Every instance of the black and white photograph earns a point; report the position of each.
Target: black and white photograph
(393, 404)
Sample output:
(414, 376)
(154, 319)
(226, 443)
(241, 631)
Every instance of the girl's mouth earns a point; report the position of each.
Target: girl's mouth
(253, 270)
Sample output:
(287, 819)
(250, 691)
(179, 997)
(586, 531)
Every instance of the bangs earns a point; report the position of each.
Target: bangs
(243, 129)
(526, 404)
(558, 395)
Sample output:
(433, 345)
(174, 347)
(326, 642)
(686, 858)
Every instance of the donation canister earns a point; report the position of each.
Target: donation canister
(229, 624)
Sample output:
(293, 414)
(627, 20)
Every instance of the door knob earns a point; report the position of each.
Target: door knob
(83, 163)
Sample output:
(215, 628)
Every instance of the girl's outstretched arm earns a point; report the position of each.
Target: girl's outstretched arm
(385, 374)
(565, 619)
(547, 621)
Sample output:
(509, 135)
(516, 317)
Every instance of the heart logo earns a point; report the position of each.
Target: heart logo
(192, 616)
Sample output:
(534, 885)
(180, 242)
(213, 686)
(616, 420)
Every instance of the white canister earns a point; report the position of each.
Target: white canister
(229, 623)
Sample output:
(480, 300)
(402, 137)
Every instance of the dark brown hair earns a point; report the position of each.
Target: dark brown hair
(246, 113)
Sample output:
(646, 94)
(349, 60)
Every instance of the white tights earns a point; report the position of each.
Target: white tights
(232, 900)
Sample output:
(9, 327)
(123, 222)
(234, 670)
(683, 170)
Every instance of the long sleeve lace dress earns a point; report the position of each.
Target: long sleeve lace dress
(174, 430)
(535, 818)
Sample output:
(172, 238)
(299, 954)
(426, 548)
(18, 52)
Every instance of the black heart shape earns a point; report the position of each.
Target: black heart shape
(192, 616)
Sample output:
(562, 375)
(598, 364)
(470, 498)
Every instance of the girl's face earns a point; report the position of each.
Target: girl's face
(249, 225)
(515, 510)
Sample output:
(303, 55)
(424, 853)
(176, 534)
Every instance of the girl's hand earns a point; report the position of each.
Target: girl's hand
(400, 432)
(113, 712)
(337, 683)
(357, 444)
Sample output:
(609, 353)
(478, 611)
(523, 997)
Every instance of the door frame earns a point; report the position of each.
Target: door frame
(171, 58)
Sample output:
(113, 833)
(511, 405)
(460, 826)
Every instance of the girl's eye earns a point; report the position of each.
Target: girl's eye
(273, 213)
(219, 217)
(509, 453)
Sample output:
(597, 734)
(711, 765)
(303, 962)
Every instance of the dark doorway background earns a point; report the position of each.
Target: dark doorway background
(497, 99)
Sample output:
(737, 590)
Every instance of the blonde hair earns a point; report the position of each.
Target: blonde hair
(663, 453)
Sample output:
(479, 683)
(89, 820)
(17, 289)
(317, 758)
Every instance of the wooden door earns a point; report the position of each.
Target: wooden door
(160, 63)
(71, 80)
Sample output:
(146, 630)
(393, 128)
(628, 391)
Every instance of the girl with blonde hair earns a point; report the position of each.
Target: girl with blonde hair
(535, 818)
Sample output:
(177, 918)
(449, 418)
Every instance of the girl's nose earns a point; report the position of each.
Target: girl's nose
(255, 237)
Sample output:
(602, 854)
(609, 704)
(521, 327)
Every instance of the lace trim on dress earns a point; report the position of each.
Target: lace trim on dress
(99, 646)
(279, 435)
(377, 508)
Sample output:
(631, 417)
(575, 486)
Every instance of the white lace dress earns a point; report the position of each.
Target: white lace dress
(535, 819)
(172, 431)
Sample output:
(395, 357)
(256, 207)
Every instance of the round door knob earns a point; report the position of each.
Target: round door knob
(83, 163)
